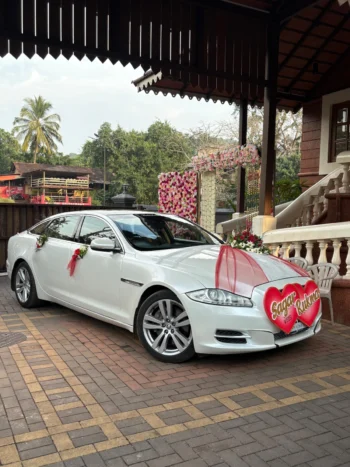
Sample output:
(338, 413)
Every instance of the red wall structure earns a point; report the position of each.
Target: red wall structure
(310, 143)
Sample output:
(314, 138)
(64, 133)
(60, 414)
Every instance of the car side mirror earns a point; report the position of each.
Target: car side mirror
(105, 244)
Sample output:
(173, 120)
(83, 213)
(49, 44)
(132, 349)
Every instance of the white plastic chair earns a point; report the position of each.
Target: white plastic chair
(299, 261)
(324, 274)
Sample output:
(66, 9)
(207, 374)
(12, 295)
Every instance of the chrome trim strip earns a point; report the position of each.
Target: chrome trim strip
(127, 281)
(243, 336)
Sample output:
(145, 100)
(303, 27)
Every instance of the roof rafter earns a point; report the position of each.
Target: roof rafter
(289, 8)
(318, 52)
(304, 36)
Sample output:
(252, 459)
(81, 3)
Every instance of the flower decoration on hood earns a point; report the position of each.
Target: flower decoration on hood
(177, 194)
(247, 241)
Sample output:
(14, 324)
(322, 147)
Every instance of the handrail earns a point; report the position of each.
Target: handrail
(288, 216)
(239, 221)
(37, 182)
(308, 232)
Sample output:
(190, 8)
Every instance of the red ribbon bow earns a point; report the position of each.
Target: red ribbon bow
(73, 262)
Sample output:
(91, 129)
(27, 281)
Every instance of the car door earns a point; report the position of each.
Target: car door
(51, 261)
(95, 283)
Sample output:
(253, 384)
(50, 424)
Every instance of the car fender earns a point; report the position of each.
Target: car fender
(136, 282)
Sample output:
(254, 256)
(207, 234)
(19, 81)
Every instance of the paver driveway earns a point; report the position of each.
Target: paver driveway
(79, 392)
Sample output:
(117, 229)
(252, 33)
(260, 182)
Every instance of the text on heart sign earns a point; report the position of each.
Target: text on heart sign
(303, 305)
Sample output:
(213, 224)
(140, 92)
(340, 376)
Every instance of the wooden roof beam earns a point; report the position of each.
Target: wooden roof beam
(305, 35)
(318, 51)
(289, 8)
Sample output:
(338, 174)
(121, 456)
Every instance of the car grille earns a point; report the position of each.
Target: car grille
(227, 336)
(283, 335)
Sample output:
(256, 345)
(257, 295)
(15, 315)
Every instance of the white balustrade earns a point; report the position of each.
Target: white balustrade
(324, 236)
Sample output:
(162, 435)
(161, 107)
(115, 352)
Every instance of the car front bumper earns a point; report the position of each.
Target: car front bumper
(229, 330)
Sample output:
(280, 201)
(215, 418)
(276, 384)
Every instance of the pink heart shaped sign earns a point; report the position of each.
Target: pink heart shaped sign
(280, 307)
(295, 302)
(308, 302)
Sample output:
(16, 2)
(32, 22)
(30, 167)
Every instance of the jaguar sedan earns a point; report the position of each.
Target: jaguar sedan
(168, 280)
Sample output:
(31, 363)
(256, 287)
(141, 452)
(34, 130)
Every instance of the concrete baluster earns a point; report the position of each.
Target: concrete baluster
(274, 248)
(323, 249)
(297, 249)
(345, 181)
(316, 205)
(336, 253)
(326, 200)
(309, 247)
(337, 185)
(308, 215)
(347, 275)
(286, 248)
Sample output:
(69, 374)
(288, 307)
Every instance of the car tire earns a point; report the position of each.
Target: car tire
(25, 288)
(164, 329)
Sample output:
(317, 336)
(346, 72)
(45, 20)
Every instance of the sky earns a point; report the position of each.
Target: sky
(86, 94)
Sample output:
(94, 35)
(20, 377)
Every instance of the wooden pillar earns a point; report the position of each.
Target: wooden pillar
(243, 125)
(269, 131)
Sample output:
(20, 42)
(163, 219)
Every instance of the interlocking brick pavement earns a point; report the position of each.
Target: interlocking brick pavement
(79, 392)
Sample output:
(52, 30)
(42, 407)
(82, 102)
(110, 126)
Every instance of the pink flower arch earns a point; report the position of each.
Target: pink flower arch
(239, 156)
(177, 194)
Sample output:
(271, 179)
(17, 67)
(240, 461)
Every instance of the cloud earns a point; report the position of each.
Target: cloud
(87, 94)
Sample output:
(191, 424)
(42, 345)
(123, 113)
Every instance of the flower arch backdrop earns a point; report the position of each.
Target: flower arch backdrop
(239, 156)
(178, 194)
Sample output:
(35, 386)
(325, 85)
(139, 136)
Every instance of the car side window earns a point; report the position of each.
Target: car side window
(93, 228)
(63, 228)
(39, 229)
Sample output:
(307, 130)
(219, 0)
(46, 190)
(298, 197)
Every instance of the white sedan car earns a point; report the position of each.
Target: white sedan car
(156, 275)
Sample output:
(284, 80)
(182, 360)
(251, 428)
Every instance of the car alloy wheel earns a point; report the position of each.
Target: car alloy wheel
(23, 284)
(167, 328)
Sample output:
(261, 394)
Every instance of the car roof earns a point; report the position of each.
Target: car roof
(108, 212)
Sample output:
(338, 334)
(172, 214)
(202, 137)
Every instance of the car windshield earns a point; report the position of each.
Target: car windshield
(156, 232)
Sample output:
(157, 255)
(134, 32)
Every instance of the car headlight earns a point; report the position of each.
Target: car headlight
(219, 297)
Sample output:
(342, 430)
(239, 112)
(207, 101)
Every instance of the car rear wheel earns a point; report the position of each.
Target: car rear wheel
(25, 288)
(164, 328)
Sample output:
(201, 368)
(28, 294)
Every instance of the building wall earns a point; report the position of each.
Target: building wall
(310, 143)
(333, 89)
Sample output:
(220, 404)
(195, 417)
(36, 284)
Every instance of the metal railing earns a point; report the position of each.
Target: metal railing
(67, 182)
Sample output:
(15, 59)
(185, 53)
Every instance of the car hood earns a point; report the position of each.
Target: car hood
(202, 263)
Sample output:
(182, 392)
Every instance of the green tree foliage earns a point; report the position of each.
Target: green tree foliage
(37, 128)
(288, 167)
(137, 158)
(10, 151)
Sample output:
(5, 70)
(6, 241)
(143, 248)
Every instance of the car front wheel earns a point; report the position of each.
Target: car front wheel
(164, 328)
(25, 288)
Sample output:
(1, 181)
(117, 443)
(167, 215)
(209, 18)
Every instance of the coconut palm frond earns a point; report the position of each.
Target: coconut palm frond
(36, 128)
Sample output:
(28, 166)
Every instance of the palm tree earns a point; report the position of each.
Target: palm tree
(36, 127)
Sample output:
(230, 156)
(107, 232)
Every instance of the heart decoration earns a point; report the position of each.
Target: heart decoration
(294, 303)
(280, 308)
(308, 302)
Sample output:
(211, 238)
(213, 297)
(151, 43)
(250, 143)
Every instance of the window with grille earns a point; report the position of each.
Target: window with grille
(340, 135)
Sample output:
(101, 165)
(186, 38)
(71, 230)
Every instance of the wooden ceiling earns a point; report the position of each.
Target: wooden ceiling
(313, 43)
(212, 47)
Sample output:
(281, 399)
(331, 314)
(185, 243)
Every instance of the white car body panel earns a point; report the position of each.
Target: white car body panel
(110, 286)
